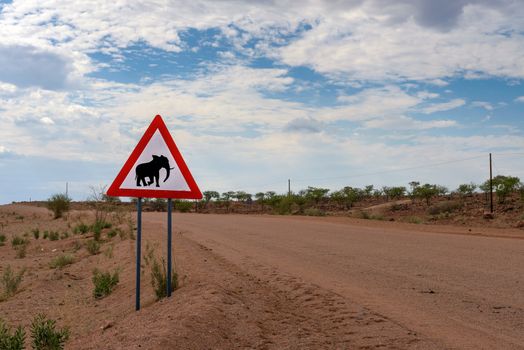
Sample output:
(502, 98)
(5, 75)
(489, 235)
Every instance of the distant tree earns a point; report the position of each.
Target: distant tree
(346, 196)
(503, 186)
(368, 190)
(396, 192)
(260, 197)
(316, 194)
(427, 192)
(466, 189)
(242, 196)
(209, 195)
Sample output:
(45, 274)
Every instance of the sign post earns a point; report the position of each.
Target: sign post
(142, 176)
(138, 250)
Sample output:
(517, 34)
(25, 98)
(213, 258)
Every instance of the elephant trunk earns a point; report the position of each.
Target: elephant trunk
(167, 175)
(168, 169)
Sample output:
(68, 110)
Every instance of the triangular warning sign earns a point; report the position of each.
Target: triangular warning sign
(155, 169)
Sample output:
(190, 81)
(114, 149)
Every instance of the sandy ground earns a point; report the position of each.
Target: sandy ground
(270, 282)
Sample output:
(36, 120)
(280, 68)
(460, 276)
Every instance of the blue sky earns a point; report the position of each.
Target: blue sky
(325, 93)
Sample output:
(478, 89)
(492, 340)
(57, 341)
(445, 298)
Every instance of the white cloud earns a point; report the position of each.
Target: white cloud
(444, 106)
(519, 99)
(47, 121)
(482, 104)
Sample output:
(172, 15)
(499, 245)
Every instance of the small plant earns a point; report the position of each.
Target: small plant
(159, 280)
(21, 250)
(53, 235)
(20, 217)
(104, 283)
(61, 261)
(3, 238)
(36, 233)
(414, 220)
(64, 235)
(58, 204)
(11, 281)
(11, 341)
(113, 232)
(18, 241)
(77, 245)
(109, 251)
(93, 247)
(97, 228)
(81, 228)
(45, 336)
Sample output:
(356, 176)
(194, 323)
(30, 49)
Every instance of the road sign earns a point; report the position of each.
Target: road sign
(155, 169)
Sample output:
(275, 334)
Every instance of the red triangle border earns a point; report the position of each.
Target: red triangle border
(157, 124)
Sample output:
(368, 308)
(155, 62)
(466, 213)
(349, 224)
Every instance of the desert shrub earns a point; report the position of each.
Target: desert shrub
(61, 261)
(314, 212)
(11, 341)
(158, 204)
(365, 215)
(97, 228)
(503, 186)
(159, 280)
(52, 235)
(77, 245)
(58, 204)
(414, 220)
(64, 235)
(93, 247)
(45, 336)
(109, 251)
(113, 232)
(16, 240)
(104, 283)
(3, 238)
(444, 207)
(81, 228)
(11, 281)
(36, 233)
(427, 192)
(183, 206)
(21, 250)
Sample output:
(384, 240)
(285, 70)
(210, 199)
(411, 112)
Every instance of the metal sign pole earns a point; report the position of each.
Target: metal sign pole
(169, 206)
(138, 250)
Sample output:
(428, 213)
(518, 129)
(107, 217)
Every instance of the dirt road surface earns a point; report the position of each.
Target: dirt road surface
(426, 289)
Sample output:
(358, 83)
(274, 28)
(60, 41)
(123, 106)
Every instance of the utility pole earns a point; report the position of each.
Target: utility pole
(67, 189)
(490, 185)
(289, 187)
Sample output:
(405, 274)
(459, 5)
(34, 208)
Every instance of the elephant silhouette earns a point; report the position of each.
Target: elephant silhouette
(151, 170)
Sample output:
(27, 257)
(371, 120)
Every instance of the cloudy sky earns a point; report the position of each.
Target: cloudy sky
(326, 93)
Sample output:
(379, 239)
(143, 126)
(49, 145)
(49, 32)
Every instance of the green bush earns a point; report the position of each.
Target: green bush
(58, 204)
(93, 247)
(45, 336)
(52, 235)
(11, 341)
(183, 206)
(36, 233)
(61, 261)
(97, 228)
(104, 283)
(21, 250)
(159, 280)
(81, 228)
(11, 281)
(113, 232)
(3, 238)
(18, 241)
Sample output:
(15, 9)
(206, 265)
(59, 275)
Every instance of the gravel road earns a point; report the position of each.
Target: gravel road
(450, 290)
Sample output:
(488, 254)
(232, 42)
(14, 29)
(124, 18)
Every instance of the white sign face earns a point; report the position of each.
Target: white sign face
(150, 171)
